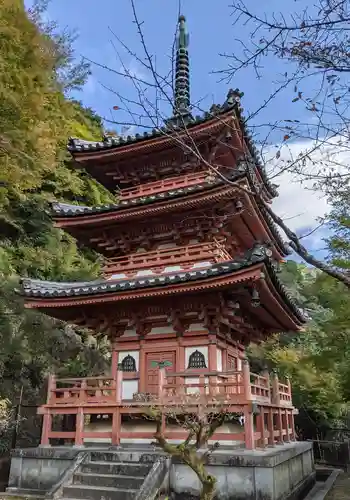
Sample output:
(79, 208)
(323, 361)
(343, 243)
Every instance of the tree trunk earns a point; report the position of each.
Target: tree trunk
(208, 488)
(208, 481)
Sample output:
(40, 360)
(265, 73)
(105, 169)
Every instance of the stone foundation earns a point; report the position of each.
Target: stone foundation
(283, 472)
(37, 470)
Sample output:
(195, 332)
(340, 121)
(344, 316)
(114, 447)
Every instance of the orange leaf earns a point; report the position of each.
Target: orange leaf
(116, 107)
(286, 137)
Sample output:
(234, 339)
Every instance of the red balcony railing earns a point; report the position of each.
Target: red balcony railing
(218, 386)
(232, 389)
(241, 386)
(163, 185)
(73, 391)
(211, 252)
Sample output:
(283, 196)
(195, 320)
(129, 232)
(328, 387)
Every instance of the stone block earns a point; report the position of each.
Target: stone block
(95, 493)
(138, 470)
(108, 480)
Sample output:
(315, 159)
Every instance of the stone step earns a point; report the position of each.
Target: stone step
(125, 456)
(102, 480)
(78, 492)
(121, 468)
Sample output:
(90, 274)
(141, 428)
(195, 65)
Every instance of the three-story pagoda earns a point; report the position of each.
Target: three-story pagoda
(189, 278)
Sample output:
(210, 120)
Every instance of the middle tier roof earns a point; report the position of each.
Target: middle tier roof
(98, 227)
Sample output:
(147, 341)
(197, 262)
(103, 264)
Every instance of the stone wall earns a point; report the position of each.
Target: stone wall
(36, 470)
(285, 471)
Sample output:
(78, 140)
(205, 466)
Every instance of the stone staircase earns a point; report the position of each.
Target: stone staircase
(109, 476)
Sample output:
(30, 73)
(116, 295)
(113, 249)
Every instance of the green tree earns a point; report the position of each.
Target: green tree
(36, 118)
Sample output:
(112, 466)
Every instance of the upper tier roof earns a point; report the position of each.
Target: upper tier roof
(177, 128)
(163, 137)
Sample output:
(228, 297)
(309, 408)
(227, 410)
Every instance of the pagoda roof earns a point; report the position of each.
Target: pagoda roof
(216, 116)
(66, 210)
(69, 210)
(254, 265)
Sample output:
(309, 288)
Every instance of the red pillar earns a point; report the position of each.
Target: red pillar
(246, 380)
(116, 424)
(79, 428)
(249, 428)
(270, 427)
(142, 368)
(275, 389)
(114, 361)
(162, 382)
(212, 365)
(47, 423)
(212, 361)
(119, 386)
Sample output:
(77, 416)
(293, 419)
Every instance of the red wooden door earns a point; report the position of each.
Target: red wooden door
(152, 373)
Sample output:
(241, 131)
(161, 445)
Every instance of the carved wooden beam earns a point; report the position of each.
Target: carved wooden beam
(177, 323)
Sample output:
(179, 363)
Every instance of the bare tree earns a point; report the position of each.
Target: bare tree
(314, 41)
(153, 94)
(200, 419)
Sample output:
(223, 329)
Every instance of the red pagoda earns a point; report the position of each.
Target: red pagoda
(189, 279)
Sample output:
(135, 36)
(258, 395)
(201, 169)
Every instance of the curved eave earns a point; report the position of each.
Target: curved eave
(72, 217)
(267, 226)
(157, 139)
(49, 295)
(112, 148)
(121, 213)
(271, 189)
(142, 288)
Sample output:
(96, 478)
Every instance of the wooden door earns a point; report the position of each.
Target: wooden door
(152, 374)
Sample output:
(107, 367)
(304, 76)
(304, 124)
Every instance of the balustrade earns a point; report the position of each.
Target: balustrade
(218, 386)
(81, 396)
(76, 391)
(239, 386)
(190, 254)
(260, 387)
(163, 185)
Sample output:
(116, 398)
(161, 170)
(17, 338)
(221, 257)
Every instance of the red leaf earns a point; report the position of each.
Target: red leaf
(286, 137)
(116, 107)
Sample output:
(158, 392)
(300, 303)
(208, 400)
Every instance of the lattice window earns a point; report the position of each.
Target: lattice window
(197, 360)
(128, 364)
(232, 363)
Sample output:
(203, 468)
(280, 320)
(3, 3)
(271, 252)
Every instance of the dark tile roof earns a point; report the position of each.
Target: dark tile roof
(68, 210)
(259, 254)
(232, 103)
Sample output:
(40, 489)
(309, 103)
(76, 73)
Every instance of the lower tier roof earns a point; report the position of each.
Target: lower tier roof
(255, 267)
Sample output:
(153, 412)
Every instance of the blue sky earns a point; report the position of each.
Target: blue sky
(212, 32)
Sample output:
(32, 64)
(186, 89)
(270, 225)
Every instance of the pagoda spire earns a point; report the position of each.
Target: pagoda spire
(181, 108)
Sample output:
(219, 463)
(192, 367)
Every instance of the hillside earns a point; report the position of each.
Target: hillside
(35, 121)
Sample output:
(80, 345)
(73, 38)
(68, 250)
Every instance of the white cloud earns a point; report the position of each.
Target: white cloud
(299, 204)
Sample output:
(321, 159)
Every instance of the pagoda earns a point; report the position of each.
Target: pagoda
(190, 279)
